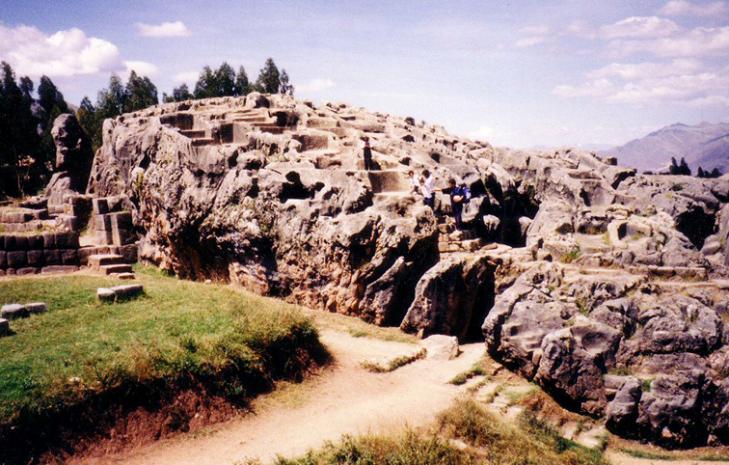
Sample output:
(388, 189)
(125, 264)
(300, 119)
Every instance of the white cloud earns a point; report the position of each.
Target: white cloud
(65, 53)
(142, 68)
(639, 27)
(166, 29)
(532, 35)
(316, 85)
(696, 42)
(683, 82)
(186, 77)
(645, 69)
(686, 8)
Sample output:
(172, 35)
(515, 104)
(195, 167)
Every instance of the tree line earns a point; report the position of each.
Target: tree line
(682, 168)
(27, 151)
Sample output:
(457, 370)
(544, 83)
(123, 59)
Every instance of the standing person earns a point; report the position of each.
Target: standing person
(428, 188)
(414, 182)
(367, 154)
(458, 198)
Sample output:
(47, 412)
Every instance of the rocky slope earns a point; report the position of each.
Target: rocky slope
(599, 284)
(705, 145)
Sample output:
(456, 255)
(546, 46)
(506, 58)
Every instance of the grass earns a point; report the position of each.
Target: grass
(673, 456)
(477, 369)
(572, 255)
(394, 363)
(81, 349)
(465, 434)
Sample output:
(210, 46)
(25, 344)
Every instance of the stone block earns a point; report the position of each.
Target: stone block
(26, 270)
(100, 206)
(102, 222)
(51, 257)
(104, 237)
(21, 242)
(35, 242)
(8, 242)
(105, 294)
(128, 252)
(121, 220)
(14, 311)
(36, 307)
(35, 258)
(49, 240)
(59, 269)
(4, 327)
(3, 259)
(121, 236)
(69, 257)
(17, 259)
(67, 240)
(128, 291)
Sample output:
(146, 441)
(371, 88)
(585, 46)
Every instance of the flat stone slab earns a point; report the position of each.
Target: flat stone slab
(37, 307)
(4, 327)
(126, 276)
(123, 292)
(14, 311)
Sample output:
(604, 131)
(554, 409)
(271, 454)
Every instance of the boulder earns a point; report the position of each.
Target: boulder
(14, 311)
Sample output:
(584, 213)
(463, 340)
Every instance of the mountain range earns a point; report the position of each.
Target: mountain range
(704, 145)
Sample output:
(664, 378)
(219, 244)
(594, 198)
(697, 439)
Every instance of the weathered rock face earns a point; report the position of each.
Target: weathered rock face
(597, 283)
(73, 159)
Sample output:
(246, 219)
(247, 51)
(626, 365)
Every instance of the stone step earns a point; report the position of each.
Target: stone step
(193, 133)
(197, 142)
(97, 261)
(116, 269)
(271, 128)
(126, 276)
(251, 119)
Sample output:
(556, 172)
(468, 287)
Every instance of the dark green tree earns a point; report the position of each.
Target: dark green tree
(181, 93)
(140, 93)
(89, 119)
(269, 80)
(285, 87)
(207, 85)
(111, 101)
(225, 80)
(48, 97)
(242, 85)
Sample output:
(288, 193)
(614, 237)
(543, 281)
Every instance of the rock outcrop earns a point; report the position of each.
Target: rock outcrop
(73, 159)
(601, 285)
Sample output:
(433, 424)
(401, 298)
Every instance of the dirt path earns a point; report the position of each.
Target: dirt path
(344, 399)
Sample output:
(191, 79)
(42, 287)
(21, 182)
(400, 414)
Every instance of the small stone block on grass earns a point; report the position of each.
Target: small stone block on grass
(14, 311)
(105, 294)
(4, 327)
(123, 292)
(36, 307)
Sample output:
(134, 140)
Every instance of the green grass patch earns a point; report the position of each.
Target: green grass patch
(477, 369)
(484, 439)
(82, 350)
(394, 363)
(572, 255)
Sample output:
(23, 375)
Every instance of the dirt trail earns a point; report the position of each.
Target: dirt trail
(344, 399)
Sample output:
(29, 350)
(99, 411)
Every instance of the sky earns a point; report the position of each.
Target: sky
(515, 73)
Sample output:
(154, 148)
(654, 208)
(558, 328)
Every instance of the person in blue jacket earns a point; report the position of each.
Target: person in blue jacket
(459, 196)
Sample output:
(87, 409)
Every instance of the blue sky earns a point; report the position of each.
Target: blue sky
(517, 73)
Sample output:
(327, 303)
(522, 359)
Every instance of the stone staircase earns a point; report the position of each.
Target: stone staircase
(111, 264)
(451, 240)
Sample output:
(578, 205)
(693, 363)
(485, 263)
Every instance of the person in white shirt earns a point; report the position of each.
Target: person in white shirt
(414, 182)
(428, 188)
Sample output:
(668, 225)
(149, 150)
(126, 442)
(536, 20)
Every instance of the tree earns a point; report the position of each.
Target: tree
(242, 85)
(140, 93)
(18, 132)
(269, 78)
(206, 85)
(181, 93)
(111, 101)
(285, 87)
(225, 80)
(684, 168)
(90, 122)
(48, 97)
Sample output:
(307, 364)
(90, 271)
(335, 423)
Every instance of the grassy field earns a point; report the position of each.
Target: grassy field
(465, 434)
(236, 344)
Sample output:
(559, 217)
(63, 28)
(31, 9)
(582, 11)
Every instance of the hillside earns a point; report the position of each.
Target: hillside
(582, 276)
(705, 145)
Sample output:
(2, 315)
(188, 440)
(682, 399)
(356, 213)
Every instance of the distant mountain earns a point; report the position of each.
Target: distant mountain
(705, 145)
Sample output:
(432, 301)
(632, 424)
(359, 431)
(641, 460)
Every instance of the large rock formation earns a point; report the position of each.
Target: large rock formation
(73, 159)
(599, 284)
